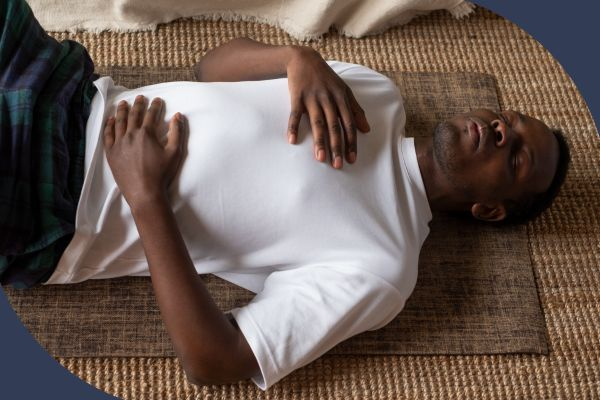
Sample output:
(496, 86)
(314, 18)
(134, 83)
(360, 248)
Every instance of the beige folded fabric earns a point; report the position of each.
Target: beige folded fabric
(302, 19)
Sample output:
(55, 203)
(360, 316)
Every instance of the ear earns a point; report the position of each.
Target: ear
(489, 212)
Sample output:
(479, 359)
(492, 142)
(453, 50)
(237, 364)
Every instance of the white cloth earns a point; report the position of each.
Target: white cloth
(332, 253)
(301, 18)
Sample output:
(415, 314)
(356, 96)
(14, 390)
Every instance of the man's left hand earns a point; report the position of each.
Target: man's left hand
(334, 114)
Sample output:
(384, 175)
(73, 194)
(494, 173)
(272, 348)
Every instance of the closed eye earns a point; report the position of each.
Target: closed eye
(518, 117)
(503, 118)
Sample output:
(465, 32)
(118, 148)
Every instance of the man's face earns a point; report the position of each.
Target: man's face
(491, 157)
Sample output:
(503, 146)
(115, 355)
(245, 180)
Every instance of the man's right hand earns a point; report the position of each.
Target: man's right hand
(334, 114)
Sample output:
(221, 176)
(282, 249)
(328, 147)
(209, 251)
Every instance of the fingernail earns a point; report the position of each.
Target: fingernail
(178, 116)
(139, 97)
(338, 162)
(122, 102)
(352, 157)
(292, 139)
(321, 155)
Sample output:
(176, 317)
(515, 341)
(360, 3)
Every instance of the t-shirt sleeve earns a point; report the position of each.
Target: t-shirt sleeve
(302, 313)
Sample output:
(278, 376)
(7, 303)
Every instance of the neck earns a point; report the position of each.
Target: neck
(440, 193)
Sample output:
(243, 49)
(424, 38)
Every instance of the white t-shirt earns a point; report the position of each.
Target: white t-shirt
(331, 253)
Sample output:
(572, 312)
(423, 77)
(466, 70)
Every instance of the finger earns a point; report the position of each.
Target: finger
(294, 121)
(174, 142)
(121, 119)
(109, 133)
(334, 132)
(319, 129)
(359, 114)
(136, 114)
(152, 117)
(350, 141)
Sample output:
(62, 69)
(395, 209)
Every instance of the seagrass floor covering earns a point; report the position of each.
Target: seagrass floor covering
(563, 243)
(475, 294)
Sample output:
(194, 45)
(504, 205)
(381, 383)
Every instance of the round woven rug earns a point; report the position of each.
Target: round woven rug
(564, 242)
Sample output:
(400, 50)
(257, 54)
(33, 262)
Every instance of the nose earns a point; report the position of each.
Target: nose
(500, 131)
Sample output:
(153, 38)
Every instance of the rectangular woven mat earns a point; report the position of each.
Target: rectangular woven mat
(475, 294)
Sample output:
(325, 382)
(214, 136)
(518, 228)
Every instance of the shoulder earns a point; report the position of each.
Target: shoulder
(377, 94)
(345, 68)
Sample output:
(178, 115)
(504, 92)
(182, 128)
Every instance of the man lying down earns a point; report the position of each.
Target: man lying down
(178, 179)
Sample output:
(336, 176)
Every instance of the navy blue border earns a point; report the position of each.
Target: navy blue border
(569, 30)
(566, 28)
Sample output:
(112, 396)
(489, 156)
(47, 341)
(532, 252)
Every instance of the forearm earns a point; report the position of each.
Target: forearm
(200, 332)
(243, 59)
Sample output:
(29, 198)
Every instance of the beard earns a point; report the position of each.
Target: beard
(446, 147)
(445, 141)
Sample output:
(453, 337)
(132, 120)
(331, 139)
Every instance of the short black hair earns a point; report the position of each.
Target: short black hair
(520, 212)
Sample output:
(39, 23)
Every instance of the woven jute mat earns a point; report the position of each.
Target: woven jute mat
(475, 294)
(563, 242)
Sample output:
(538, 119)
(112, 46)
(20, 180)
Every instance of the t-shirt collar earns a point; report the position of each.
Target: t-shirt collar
(409, 158)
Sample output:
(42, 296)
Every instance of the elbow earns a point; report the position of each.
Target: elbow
(209, 67)
(197, 378)
(212, 373)
(205, 379)
(219, 365)
(199, 71)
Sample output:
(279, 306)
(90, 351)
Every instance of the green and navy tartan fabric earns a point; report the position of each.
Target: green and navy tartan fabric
(45, 95)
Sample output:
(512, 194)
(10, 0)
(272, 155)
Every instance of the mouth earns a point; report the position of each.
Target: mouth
(474, 132)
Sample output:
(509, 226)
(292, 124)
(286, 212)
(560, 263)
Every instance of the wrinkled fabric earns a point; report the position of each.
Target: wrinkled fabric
(302, 19)
(45, 94)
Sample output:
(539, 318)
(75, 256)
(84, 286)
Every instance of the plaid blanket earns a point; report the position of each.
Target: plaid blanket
(45, 94)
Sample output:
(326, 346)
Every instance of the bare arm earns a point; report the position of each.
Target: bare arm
(315, 89)
(209, 347)
(244, 59)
